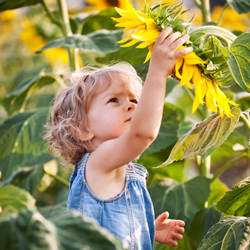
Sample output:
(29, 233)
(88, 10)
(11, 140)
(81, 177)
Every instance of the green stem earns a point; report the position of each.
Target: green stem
(245, 120)
(59, 179)
(50, 15)
(204, 166)
(222, 14)
(204, 6)
(72, 53)
(227, 165)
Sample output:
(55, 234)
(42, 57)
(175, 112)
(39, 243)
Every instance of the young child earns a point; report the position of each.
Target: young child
(102, 123)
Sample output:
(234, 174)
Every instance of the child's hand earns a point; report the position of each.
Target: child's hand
(168, 231)
(164, 54)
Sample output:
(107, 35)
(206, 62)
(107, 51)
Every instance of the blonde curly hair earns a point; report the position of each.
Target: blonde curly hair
(71, 105)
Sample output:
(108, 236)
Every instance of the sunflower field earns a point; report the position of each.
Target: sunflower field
(198, 165)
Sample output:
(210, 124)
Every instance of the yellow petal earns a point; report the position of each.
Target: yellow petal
(178, 65)
(200, 84)
(187, 73)
(131, 43)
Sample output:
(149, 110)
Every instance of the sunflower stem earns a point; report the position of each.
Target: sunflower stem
(204, 6)
(72, 53)
(222, 14)
(59, 179)
(204, 165)
(245, 120)
(227, 165)
(50, 15)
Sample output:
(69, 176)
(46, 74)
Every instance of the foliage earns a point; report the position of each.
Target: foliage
(34, 187)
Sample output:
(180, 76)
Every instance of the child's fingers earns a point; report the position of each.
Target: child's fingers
(164, 34)
(162, 217)
(177, 237)
(183, 52)
(180, 41)
(180, 223)
(180, 230)
(172, 39)
(173, 243)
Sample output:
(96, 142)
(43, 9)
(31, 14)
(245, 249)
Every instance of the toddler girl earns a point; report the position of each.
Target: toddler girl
(102, 123)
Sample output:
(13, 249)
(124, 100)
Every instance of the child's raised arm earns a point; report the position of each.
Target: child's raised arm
(146, 119)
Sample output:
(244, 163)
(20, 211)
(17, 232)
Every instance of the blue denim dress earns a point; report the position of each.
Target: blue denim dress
(129, 215)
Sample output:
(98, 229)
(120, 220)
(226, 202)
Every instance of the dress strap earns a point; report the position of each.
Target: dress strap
(81, 164)
(136, 172)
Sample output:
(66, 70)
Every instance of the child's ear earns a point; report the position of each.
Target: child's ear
(85, 135)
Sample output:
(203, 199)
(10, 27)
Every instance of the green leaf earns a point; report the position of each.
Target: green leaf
(241, 6)
(212, 132)
(8, 5)
(21, 140)
(101, 42)
(201, 223)
(27, 178)
(66, 230)
(217, 191)
(15, 99)
(236, 200)
(15, 197)
(98, 20)
(239, 62)
(168, 133)
(182, 201)
(229, 234)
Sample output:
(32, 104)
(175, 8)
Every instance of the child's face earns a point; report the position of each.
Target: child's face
(111, 111)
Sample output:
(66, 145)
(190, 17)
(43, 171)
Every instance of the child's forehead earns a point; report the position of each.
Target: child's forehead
(119, 86)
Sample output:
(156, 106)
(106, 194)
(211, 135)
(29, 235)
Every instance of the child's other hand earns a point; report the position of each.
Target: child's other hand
(168, 231)
(164, 54)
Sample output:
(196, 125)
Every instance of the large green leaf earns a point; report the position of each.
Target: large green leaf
(236, 200)
(101, 42)
(182, 201)
(167, 136)
(217, 191)
(14, 100)
(229, 234)
(7, 4)
(201, 223)
(66, 231)
(241, 6)
(97, 20)
(21, 140)
(17, 198)
(239, 62)
(26, 177)
(212, 132)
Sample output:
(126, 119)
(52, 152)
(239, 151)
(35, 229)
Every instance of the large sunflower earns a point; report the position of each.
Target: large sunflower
(146, 24)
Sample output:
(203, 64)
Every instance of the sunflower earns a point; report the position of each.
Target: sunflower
(145, 26)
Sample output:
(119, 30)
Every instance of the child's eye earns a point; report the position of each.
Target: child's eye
(134, 101)
(113, 100)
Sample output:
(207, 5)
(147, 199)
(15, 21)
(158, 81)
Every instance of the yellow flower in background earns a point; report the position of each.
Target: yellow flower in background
(231, 19)
(7, 20)
(143, 27)
(103, 4)
(35, 41)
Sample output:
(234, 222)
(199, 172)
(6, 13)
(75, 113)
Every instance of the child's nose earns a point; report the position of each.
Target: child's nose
(131, 106)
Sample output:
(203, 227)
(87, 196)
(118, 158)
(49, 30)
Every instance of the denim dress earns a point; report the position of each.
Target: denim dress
(129, 215)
